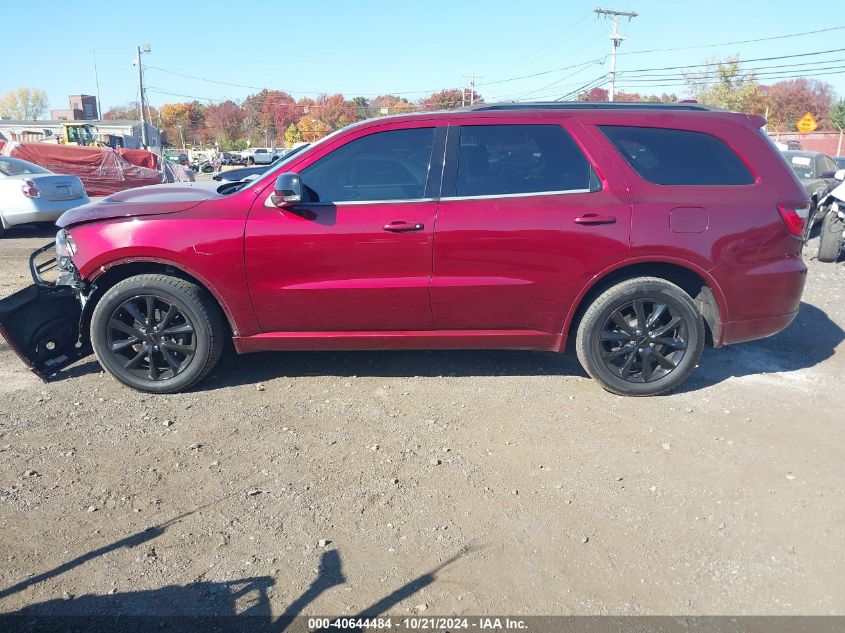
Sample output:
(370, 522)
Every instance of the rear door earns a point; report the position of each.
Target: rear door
(526, 218)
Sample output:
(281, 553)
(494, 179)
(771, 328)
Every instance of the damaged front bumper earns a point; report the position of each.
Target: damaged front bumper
(42, 322)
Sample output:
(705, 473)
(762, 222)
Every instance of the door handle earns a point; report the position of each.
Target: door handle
(403, 227)
(590, 219)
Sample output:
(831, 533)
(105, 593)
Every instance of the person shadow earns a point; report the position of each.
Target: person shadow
(241, 605)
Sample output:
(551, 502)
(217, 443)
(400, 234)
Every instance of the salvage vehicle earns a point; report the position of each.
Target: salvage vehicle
(832, 235)
(31, 194)
(641, 231)
(816, 171)
(242, 173)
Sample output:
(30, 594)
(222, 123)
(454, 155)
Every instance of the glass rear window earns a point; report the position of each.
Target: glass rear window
(667, 156)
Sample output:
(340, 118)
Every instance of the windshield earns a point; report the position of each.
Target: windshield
(17, 167)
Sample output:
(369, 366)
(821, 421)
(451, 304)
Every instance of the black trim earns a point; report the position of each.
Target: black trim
(37, 269)
(450, 165)
(434, 177)
(587, 105)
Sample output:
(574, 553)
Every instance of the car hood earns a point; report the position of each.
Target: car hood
(150, 200)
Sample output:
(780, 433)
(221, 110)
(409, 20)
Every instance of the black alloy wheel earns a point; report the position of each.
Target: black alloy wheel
(643, 340)
(151, 337)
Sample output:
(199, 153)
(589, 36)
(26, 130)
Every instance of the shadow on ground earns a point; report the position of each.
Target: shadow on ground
(811, 339)
(234, 605)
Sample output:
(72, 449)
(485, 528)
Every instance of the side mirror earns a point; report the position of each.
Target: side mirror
(839, 175)
(828, 174)
(287, 190)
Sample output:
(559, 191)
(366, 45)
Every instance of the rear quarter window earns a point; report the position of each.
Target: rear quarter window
(666, 156)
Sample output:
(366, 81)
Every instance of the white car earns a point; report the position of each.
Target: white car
(258, 156)
(29, 193)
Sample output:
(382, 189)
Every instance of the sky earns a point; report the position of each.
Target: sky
(539, 49)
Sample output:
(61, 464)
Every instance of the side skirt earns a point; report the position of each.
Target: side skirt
(396, 340)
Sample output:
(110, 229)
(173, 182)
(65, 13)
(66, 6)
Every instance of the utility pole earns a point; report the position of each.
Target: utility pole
(615, 39)
(141, 95)
(97, 82)
(472, 77)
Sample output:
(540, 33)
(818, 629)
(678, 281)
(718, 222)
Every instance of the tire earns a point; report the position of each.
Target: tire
(638, 361)
(830, 239)
(183, 352)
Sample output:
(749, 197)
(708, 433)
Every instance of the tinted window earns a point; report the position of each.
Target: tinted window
(678, 157)
(514, 159)
(382, 166)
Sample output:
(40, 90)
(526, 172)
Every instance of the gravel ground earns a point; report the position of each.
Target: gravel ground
(436, 482)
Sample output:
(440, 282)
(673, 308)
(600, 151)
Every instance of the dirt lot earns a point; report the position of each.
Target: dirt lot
(443, 482)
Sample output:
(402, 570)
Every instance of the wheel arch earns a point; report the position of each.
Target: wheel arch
(119, 271)
(692, 279)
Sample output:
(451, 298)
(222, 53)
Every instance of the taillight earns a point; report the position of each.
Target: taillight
(30, 189)
(795, 217)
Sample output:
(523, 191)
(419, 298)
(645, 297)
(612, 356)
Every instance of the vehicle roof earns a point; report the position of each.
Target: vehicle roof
(558, 107)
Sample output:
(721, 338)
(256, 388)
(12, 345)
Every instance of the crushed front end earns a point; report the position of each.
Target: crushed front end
(42, 322)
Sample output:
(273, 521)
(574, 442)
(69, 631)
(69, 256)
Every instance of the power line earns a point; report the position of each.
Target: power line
(739, 61)
(758, 71)
(751, 41)
(679, 82)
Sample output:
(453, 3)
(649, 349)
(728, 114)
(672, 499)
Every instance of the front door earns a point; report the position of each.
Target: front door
(356, 254)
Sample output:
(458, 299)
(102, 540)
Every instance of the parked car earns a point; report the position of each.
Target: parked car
(638, 230)
(30, 193)
(243, 173)
(258, 156)
(816, 171)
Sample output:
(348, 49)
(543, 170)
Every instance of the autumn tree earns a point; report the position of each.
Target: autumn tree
(335, 111)
(25, 104)
(226, 119)
(724, 84)
(126, 112)
(594, 94)
(450, 99)
(390, 104)
(791, 99)
(292, 135)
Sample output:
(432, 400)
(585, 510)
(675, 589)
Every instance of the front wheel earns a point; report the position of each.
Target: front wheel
(157, 333)
(830, 239)
(641, 337)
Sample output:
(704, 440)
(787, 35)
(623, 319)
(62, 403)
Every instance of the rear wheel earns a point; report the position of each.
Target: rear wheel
(830, 239)
(157, 333)
(641, 337)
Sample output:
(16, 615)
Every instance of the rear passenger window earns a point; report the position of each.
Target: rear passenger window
(678, 157)
(519, 159)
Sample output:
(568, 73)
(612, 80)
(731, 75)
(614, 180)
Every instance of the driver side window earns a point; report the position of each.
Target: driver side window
(390, 165)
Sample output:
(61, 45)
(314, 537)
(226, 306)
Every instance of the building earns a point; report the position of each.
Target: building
(114, 133)
(82, 108)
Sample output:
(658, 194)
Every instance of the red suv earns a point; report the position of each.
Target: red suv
(640, 231)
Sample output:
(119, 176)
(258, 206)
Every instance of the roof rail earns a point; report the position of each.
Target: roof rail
(587, 105)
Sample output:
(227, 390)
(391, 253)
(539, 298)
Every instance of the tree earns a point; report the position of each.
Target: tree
(791, 99)
(837, 119)
(128, 111)
(390, 104)
(725, 85)
(362, 107)
(224, 120)
(27, 104)
(594, 94)
(450, 99)
(335, 111)
(292, 135)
